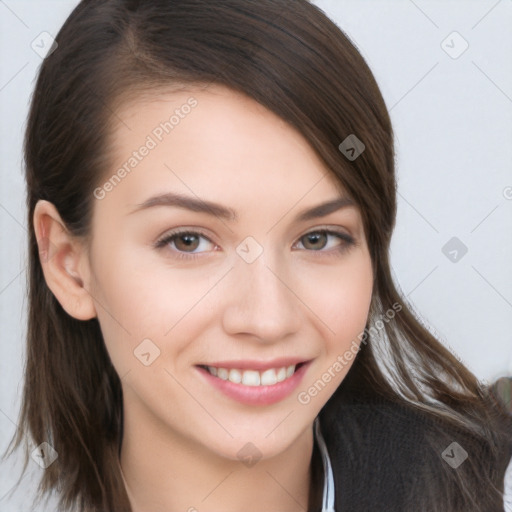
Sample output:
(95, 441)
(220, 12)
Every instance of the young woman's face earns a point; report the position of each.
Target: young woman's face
(268, 288)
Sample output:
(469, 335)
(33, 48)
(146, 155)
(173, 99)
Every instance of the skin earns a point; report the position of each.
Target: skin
(181, 435)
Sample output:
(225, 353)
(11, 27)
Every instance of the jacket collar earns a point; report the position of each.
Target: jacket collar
(328, 494)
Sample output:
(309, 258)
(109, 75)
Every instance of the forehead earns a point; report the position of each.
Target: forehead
(201, 117)
(216, 143)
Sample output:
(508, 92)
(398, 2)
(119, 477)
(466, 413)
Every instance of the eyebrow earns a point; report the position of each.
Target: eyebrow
(202, 206)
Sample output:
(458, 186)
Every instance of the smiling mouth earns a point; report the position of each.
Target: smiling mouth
(249, 377)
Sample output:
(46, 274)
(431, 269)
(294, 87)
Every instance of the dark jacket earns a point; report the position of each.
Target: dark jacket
(389, 456)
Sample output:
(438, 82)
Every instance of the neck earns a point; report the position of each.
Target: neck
(164, 471)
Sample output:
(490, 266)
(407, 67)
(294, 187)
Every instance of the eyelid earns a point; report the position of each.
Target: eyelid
(347, 240)
(182, 231)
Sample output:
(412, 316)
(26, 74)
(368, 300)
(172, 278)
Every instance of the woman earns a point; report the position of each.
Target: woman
(190, 346)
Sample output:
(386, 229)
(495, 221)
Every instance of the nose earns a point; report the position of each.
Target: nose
(261, 301)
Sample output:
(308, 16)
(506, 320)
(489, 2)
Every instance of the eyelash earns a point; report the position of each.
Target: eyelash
(348, 242)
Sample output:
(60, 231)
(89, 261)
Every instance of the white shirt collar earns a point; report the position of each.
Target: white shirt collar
(328, 494)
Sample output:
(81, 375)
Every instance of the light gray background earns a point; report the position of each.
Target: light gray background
(453, 124)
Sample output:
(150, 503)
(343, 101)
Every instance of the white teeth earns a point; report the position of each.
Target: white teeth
(253, 377)
(222, 373)
(235, 376)
(281, 374)
(268, 377)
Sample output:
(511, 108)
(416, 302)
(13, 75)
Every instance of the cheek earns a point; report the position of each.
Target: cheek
(138, 301)
(341, 299)
(343, 310)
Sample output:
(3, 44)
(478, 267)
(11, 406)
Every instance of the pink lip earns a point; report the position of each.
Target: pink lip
(255, 364)
(256, 395)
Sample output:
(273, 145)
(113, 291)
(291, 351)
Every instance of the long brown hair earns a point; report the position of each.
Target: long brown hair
(291, 58)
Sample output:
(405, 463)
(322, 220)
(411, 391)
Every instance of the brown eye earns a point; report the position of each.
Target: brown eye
(186, 241)
(316, 240)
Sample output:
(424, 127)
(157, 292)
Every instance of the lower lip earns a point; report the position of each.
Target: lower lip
(257, 395)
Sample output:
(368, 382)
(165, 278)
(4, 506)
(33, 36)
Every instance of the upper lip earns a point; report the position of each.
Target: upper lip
(254, 364)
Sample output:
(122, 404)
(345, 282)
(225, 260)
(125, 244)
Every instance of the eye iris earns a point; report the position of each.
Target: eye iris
(315, 237)
(189, 241)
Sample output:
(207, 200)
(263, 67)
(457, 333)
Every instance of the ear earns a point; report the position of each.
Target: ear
(64, 261)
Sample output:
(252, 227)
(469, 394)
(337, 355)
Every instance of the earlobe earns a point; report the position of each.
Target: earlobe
(61, 255)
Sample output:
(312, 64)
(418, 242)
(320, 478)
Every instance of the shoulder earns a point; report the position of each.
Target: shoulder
(376, 446)
(388, 455)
